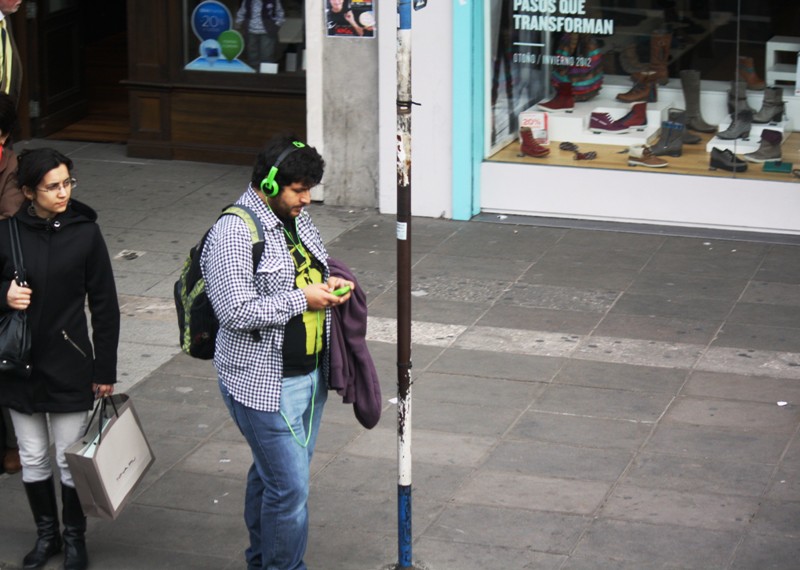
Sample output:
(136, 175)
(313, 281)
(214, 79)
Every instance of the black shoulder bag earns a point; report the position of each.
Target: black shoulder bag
(15, 336)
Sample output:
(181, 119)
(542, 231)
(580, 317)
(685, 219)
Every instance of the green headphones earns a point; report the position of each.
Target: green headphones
(269, 186)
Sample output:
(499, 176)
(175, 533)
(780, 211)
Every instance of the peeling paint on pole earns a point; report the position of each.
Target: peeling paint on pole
(403, 110)
(403, 158)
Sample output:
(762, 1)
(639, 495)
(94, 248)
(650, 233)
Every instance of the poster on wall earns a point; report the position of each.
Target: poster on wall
(220, 45)
(350, 18)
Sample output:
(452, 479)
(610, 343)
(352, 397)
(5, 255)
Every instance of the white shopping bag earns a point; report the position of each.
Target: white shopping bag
(111, 459)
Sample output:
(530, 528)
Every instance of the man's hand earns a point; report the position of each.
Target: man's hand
(319, 295)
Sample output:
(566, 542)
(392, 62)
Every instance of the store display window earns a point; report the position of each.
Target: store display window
(244, 36)
(699, 87)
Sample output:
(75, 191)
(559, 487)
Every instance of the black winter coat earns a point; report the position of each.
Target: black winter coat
(66, 261)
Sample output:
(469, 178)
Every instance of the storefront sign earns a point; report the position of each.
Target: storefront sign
(559, 16)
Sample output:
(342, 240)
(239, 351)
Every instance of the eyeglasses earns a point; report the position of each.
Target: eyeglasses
(68, 184)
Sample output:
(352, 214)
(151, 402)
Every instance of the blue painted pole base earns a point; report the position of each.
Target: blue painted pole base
(404, 527)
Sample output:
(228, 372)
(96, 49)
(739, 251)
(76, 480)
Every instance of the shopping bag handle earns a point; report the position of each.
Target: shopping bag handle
(100, 405)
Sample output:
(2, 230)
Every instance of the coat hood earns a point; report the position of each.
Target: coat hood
(76, 213)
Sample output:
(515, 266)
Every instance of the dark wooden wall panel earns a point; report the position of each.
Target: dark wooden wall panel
(149, 52)
(247, 119)
(149, 113)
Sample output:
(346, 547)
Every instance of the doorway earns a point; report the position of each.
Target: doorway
(88, 103)
(107, 117)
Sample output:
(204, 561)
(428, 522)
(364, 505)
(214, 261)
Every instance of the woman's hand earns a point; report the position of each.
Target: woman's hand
(18, 298)
(102, 390)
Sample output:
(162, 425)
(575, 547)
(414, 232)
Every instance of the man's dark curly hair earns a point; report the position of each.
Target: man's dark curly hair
(303, 165)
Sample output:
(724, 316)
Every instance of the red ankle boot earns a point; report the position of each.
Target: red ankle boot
(564, 100)
(529, 145)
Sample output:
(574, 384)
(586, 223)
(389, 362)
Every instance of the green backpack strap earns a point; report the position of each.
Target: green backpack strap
(256, 238)
(249, 217)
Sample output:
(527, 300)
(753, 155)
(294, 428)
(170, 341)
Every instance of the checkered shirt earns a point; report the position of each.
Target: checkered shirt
(252, 370)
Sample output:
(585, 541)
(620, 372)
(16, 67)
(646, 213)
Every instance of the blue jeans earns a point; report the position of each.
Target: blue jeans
(276, 500)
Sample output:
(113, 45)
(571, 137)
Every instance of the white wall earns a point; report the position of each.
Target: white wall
(315, 33)
(342, 110)
(642, 197)
(431, 121)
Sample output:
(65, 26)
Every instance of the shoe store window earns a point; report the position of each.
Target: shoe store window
(244, 37)
(700, 87)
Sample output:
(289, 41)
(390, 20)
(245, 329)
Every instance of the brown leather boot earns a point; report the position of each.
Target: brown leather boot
(644, 88)
(529, 145)
(747, 72)
(660, 43)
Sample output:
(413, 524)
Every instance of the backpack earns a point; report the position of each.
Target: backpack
(197, 323)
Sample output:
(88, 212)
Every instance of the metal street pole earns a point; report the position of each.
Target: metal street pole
(404, 550)
(404, 280)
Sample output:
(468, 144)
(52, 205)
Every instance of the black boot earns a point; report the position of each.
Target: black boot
(726, 160)
(42, 499)
(75, 556)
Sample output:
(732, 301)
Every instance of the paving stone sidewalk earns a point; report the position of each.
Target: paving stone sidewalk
(583, 399)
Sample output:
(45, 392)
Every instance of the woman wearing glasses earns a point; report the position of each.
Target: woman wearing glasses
(66, 263)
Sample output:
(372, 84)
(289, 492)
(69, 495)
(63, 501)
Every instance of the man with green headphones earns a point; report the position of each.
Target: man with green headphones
(272, 353)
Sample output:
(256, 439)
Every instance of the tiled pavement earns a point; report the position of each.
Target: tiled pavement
(583, 398)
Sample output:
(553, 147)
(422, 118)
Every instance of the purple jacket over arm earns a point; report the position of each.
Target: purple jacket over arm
(353, 373)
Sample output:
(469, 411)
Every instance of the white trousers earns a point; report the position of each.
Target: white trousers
(33, 438)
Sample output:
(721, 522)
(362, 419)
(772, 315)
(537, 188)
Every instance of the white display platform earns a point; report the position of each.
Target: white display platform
(642, 195)
(783, 72)
(751, 143)
(574, 126)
